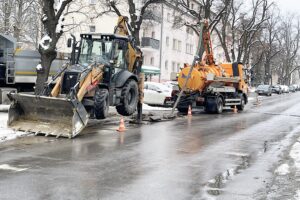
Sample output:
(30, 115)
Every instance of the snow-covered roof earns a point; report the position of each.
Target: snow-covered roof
(9, 39)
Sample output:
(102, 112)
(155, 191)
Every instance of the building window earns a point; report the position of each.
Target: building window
(92, 2)
(189, 49)
(152, 61)
(189, 30)
(179, 46)
(178, 67)
(174, 44)
(92, 29)
(173, 66)
(167, 41)
(153, 34)
(166, 65)
(169, 17)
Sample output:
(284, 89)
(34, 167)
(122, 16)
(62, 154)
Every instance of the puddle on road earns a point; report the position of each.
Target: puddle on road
(215, 186)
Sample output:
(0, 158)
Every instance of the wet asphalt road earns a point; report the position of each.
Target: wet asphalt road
(228, 156)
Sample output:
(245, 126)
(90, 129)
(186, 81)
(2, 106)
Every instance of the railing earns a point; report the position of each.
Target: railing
(150, 42)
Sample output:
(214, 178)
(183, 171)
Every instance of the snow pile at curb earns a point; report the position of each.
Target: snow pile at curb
(6, 133)
(4, 108)
(295, 155)
(283, 169)
(147, 107)
(297, 196)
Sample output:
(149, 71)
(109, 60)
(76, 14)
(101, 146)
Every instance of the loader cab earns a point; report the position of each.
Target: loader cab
(109, 50)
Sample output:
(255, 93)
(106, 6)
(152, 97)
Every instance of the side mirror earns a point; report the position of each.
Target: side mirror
(69, 43)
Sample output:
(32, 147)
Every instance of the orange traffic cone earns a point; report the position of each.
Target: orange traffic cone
(122, 126)
(190, 111)
(235, 110)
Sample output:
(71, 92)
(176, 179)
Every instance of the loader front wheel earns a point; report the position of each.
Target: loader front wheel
(130, 95)
(101, 105)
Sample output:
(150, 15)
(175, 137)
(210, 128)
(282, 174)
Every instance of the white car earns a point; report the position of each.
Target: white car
(171, 84)
(285, 89)
(157, 94)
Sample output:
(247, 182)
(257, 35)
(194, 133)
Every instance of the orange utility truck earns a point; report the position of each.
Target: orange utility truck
(210, 85)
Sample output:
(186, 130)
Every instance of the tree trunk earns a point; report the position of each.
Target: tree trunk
(7, 15)
(267, 71)
(136, 35)
(17, 26)
(43, 74)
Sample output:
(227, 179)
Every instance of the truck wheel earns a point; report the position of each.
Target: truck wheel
(242, 105)
(209, 105)
(214, 105)
(130, 95)
(101, 103)
(219, 105)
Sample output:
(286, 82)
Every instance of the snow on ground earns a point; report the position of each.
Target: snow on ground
(295, 155)
(6, 133)
(297, 196)
(283, 169)
(147, 107)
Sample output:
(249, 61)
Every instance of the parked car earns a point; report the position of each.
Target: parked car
(276, 89)
(292, 88)
(285, 89)
(296, 87)
(171, 84)
(157, 94)
(264, 90)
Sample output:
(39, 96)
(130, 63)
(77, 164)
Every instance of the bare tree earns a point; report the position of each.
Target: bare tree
(51, 20)
(206, 9)
(137, 12)
(269, 43)
(239, 31)
(289, 41)
(6, 15)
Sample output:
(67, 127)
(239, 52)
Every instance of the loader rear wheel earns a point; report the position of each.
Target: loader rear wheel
(101, 105)
(129, 100)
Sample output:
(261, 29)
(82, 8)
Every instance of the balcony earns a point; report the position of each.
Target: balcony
(150, 44)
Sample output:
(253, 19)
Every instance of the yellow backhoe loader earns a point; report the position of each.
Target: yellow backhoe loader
(103, 71)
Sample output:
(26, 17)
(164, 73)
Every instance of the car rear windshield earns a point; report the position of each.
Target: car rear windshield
(263, 87)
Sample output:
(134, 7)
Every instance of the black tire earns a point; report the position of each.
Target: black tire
(219, 106)
(130, 97)
(242, 105)
(101, 103)
(214, 105)
(209, 105)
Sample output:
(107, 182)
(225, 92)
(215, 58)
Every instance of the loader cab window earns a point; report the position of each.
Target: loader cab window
(95, 51)
(120, 49)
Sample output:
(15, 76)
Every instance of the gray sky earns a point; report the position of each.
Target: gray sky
(288, 5)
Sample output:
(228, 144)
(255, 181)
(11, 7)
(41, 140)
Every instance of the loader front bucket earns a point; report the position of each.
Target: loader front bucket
(46, 115)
